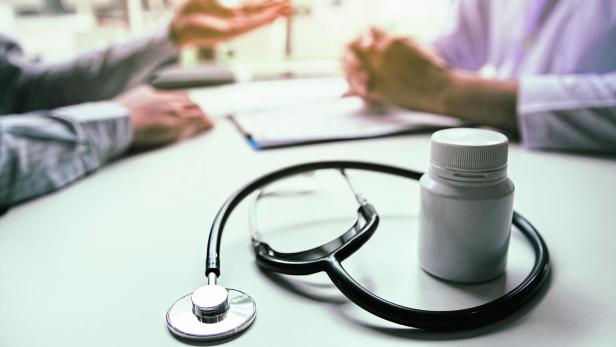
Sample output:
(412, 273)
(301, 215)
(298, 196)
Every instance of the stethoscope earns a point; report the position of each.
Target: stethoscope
(214, 312)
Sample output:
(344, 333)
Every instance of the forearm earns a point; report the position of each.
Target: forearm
(93, 76)
(556, 112)
(44, 151)
(481, 101)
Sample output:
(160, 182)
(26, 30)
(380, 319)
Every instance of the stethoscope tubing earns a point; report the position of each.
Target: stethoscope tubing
(467, 318)
(451, 320)
(213, 246)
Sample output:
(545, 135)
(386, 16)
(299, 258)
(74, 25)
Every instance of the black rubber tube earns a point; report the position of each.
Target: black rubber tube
(432, 320)
(213, 247)
(467, 318)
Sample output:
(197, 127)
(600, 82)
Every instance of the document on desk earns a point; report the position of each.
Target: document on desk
(333, 119)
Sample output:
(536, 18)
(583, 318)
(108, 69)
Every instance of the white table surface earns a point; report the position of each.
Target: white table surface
(100, 262)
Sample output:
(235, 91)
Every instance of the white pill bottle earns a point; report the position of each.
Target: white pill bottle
(466, 206)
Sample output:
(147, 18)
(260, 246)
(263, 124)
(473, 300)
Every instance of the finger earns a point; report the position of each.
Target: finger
(203, 121)
(174, 107)
(366, 42)
(257, 6)
(191, 106)
(195, 126)
(204, 26)
(200, 26)
(377, 33)
(162, 132)
(362, 54)
(374, 42)
(168, 95)
(200, 118)
(255, 20)
(361, 45)
(287, 11)
(359, 83)
(351, 62)
(193, 113)
(371, 42)
(359, 69)
(212, 7)
(374, 105)
(352, 65)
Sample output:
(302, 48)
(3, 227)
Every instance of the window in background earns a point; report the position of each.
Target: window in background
(53, 30)
(313, 39)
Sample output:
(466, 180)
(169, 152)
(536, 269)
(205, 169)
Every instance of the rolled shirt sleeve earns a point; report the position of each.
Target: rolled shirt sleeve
(568, 112)
(46, 144)
(45, 150)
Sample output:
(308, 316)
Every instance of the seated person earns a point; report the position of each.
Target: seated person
(62, 121)
(553, 65)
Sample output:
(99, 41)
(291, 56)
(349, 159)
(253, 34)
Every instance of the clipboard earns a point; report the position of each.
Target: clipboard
(332, 120)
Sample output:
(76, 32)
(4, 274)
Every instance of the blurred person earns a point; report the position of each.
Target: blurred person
(554, 65)
(59, 122)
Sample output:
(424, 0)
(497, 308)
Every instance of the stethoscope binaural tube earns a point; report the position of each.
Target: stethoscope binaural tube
(327, 258)
(212, 264)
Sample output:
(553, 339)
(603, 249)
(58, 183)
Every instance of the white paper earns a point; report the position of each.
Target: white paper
(266, 95)
(333, 118)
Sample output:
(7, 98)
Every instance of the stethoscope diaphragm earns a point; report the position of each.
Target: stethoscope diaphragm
(227, 319)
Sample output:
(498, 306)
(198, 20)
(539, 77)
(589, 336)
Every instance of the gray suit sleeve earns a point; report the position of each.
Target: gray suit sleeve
(93, 76)
(43, 151)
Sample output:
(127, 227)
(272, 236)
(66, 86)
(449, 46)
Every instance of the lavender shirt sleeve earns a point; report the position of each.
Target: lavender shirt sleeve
(568, 112)
(463, 43)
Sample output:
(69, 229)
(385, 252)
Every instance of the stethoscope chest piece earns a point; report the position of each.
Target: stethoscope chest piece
(211, 313)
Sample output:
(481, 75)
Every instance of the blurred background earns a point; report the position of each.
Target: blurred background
(311, 42)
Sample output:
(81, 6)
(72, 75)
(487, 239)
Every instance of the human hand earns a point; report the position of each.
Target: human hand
(207, 23)
(160, 118)
(400, 71)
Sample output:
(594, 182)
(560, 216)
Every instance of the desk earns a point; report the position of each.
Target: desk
(100, 262)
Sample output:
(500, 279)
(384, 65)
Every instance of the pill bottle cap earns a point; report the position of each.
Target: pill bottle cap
(469, 150)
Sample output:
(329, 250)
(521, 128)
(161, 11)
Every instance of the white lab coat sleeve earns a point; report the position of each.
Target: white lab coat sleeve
(464, 40)
(568, 112)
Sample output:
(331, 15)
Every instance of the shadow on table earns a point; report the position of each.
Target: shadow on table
(204, 343)
(309, 291)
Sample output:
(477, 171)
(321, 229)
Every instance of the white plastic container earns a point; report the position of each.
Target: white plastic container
(466, 206)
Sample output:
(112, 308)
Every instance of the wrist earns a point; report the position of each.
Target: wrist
(447, 94)
(479, 100)
(453, 94)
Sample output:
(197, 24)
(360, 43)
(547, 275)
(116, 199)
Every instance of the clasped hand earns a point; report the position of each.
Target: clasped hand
(396, 70)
